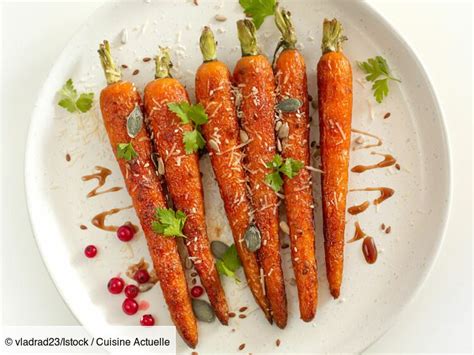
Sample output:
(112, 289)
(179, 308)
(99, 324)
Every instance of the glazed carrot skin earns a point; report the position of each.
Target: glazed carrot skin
(254, 76)
(214, 92)
(290, 72)
(183, 180)
(335, 116)
(117, 101)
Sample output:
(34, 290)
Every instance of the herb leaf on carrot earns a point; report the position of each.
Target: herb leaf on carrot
(258, 10)
(169, 223)
(290, 167)
(126, 151)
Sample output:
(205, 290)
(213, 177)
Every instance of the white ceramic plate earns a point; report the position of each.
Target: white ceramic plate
(372, 295)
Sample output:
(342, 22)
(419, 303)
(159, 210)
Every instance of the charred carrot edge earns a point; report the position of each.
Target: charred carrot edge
(254, 76)
(214, 92)
(335, 116)
(290, 74)
(182, 176)
(117, 101)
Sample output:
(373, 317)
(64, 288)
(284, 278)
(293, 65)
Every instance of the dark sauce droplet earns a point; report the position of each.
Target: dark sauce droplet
(370, 250)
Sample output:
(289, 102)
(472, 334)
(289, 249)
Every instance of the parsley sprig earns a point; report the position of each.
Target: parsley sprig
(126, 151)
(71, 101)
(378, 73)
(169, 223)
(258, 10)
(290, 167)
(229, 263)
(193, 114)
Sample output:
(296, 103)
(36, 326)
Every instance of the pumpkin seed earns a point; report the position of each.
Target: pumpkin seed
(253, 239)
(203, 311)
(289, 105)
(134, 122)
(218, 248)
(161, 166)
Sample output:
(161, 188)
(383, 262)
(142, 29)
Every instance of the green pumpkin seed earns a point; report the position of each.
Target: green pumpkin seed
(203, 311)
(253, 239)
(134, 122)
(218, 248)
(289, 105)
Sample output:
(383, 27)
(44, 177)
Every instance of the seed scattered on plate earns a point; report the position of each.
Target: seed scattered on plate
(397, 166)
(387, 115)
(241, 346)
(83, 227)
(231, 314)
(124, 37)
(124, 66)
(284, 227)
(388, 230)
(221, 18)
(242, 316)
(243, 309)
(135, 72)
(68, 157)
(285, 246)
(382, 226)
(278, 342)
(146, 59)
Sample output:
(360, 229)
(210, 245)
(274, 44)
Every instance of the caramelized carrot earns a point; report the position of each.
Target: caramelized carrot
(182, 176)
(214, 92)
(290, 74)
(335, 116)
(117, 101)
(254, 76)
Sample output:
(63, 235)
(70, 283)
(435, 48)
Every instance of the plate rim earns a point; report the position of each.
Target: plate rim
(425, 271)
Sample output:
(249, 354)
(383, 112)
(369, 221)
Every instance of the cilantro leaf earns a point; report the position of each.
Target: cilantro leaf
(378, 72)
(169, 223)
(181, 109)
(126, 151)
(229, 263)
(274, 180)
(192, 114)
(258, 10)
(84, 102)
(193, 141)
(291, 167)
(70, 100)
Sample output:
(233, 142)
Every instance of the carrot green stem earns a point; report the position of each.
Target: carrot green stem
(163, 64)
(247, 37)
(332, 36)
(284, 24)
(112, 74)
(208, 45)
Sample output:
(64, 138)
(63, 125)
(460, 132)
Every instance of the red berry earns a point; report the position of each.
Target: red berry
(90, 251)
(125, 233)
(130, 306)
(131, 291)
(115, 285)
(141, 276)
(147, 320)
(197, 291)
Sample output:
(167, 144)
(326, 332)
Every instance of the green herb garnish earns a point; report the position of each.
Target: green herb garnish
(229, 263)
(70, 100)
(192, 114)
(169, 223)
(379, 73)
(126, 151)
(258, 10)
(290, 167)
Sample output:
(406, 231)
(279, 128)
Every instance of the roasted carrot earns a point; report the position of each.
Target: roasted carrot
(335, 116)
(182, 176)
(254, 77)
(117, 101)
(222, 133)
(290, 74)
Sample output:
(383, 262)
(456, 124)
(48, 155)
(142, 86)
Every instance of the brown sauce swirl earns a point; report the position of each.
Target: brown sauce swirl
(370, 145)
(385, 193)
(370, 250)
(101, 176)
(358, 234)
(358, 208)
(99, 219)
(388, 160)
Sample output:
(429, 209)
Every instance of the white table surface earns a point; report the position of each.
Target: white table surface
(438, 320)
